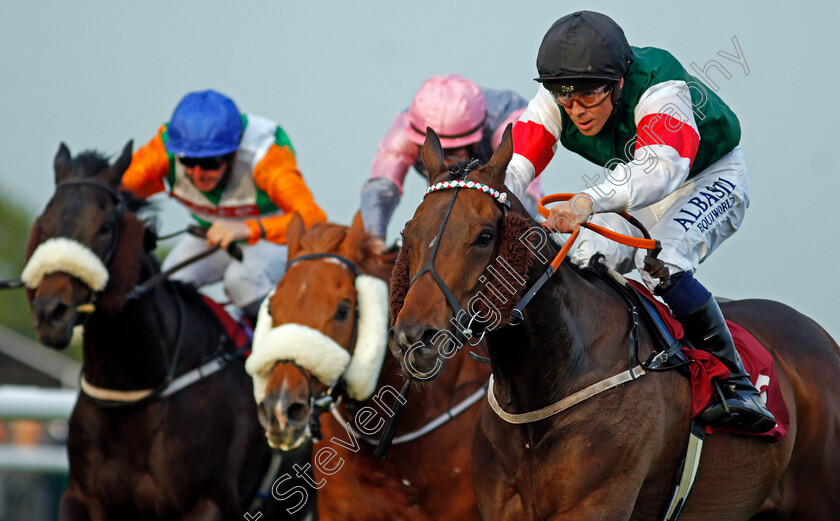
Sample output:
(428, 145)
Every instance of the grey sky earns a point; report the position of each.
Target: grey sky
(95, 74)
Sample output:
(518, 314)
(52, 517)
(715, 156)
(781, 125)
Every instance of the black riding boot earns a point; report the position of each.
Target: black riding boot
(743, 408)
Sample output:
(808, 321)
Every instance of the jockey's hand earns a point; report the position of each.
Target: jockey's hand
(567, 216)
(222, 233)
(377, 244)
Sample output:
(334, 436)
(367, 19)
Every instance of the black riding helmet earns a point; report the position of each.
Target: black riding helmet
(582, 51)
(583, 47)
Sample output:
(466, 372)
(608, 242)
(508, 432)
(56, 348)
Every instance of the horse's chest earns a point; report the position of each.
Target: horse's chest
(117, 489)
(135, 473)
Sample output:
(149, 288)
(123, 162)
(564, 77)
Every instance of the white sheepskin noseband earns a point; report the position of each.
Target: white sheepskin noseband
(320, 354)
(68, 256)
(371, 338)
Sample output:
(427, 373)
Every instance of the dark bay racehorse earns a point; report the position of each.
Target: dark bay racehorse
(424, 479)
(612, 457)
(198, 454)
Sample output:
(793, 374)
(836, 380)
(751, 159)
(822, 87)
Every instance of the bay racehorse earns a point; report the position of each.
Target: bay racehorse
(614, 456)
(139, 449)
(333, 304)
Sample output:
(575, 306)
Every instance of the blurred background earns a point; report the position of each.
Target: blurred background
(333, 75)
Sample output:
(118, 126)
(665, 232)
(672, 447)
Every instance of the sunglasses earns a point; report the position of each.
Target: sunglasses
(586, 99)
(206, 163)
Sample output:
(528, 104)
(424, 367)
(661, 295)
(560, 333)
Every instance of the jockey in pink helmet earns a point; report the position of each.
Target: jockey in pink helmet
(469, 121)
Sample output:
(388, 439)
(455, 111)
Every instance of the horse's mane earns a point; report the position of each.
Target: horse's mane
(134, 204)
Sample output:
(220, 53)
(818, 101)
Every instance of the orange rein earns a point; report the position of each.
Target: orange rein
(635, 242)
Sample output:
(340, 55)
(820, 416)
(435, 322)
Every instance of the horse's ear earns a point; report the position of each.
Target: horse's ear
(119, 167)
(352, 242)
(61, 163)
(432, 155)
(294, 231)
(497, 166)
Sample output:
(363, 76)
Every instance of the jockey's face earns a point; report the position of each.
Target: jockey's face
(205, 174)
(590, 121)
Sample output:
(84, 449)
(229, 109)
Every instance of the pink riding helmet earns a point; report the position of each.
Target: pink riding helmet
(451, 105)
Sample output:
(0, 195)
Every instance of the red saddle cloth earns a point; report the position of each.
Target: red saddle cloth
(757, 361)
(232, 328)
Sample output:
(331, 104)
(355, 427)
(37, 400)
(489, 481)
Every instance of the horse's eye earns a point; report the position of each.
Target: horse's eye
(484, 239)
(342, 312)
(106, 228)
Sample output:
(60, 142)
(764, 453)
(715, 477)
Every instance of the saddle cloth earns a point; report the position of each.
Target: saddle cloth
(232, 328)
(757, 361)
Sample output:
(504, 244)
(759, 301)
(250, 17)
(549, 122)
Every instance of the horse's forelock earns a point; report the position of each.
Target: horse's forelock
(88, 164)
(327, 237)
(323, 237)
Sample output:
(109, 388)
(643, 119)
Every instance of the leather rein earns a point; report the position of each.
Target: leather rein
(647, 243)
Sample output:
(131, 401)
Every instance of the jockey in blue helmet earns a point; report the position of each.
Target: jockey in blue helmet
(237, 175)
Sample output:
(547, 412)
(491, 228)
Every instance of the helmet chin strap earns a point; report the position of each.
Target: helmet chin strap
(615, 98)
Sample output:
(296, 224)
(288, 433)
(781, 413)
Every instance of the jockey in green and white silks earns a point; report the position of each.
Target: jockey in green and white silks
(669, 149)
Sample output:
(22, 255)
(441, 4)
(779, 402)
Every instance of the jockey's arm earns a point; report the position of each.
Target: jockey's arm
(535, 138)
(666, 144)
(534, 191)
(382, 191)
(149, 165)
(277, 175)
(667, 140)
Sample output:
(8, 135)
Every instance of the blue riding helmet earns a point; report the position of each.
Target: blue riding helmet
(204, 124)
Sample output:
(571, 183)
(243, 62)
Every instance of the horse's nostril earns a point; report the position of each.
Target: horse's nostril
(296, 412)
(58, 312)
(398, 336)
(415, 336)
(428, 336)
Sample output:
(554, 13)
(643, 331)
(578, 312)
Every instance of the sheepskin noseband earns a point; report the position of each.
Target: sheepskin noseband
(320, 354)
(68, 256)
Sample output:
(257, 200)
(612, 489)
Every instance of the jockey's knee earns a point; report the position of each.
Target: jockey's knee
(245, 287)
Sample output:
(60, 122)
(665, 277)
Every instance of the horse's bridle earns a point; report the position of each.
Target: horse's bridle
(119, 209)
(459, 172)
(321, 403)
(164, 387)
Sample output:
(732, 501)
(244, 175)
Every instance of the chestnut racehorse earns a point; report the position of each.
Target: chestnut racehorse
(139, 449)
(614, 456)
(424, 479)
